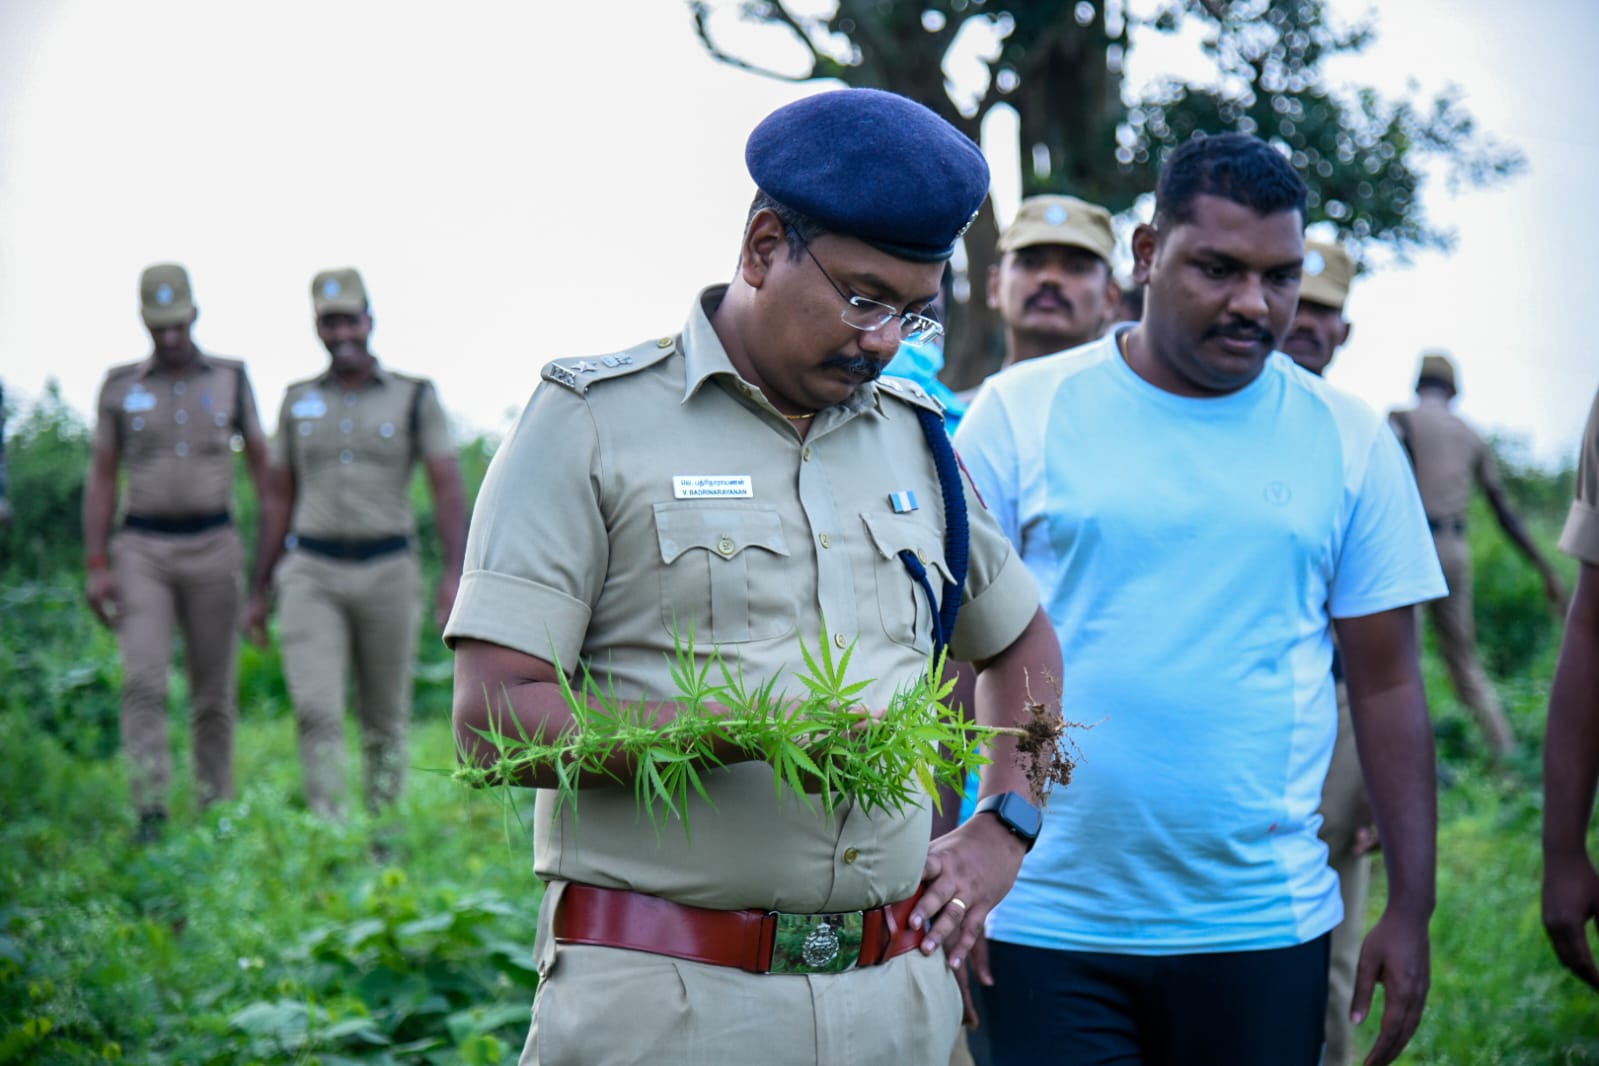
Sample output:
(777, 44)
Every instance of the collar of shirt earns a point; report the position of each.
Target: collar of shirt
(379, 376)
(152, 366)
(705, 358)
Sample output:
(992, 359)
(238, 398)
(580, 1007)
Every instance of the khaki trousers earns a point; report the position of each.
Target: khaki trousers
(611, 1007)
(192, 581)
(1343, 812)
(333, 613)
(1456, 631)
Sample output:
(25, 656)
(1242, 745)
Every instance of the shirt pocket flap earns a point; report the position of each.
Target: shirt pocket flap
(721, 530)
(893, 534)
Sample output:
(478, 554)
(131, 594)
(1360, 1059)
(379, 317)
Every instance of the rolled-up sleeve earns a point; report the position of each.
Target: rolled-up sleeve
(536, 550)
(1581, 534)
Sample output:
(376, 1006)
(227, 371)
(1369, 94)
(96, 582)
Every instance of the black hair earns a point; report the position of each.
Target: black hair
(798, 229)
(1234, 166)
(1426, 381)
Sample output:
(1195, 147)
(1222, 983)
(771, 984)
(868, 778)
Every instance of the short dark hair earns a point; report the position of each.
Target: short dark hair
(800, 229)
(1234, 166)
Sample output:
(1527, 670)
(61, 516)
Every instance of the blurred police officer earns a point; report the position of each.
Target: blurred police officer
(349, 588)
(1571, 745)
(1449, 459)
(169, 424)
(743, 482)
(1319, 329)
(1053, 285)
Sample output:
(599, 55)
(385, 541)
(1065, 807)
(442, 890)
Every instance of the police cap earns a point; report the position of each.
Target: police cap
(338, 292)
(1326, 275)
(872, 165)
(165, 298)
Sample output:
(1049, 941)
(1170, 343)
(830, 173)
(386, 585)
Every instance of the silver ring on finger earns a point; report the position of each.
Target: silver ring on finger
(957, 901)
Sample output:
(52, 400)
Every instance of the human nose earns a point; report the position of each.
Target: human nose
(885, 338)
(1249, 298)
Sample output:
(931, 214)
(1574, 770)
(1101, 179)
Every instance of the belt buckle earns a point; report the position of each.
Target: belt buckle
(817, 943)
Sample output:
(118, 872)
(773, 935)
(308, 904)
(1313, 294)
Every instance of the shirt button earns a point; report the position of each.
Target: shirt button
(827, 541)
(664, 342)
(840, 640)
(805, 456)
(349, 399)
(179, 388)
(180, 417)
(726, 546)
(183, 447)
(850, 855)
(346, 456)
(346, 425)
(921, 555)
(138, 423)
(305, 429)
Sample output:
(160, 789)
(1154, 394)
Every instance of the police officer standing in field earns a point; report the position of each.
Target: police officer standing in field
(1449, 459)
(349, 587)
(1319, 329)
(169, 422)
(753, 481)
(1053, 284)
(1571, 744)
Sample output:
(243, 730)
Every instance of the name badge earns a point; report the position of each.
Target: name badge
(311, 405)
(712, 486)
(138, 400)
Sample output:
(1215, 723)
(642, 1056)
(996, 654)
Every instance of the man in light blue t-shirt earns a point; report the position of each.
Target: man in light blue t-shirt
(1201, 514)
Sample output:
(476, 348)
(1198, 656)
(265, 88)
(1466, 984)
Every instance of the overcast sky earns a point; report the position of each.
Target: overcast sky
(520, 182)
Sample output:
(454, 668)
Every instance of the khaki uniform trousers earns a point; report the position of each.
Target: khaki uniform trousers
(1456, 631)
(1343, 812)
(612, 1007)
(331, 613)
(194, 581)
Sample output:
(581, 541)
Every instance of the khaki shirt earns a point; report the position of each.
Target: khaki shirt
(598, 532)
(174, 433)
(1447, 454)
(1581, 535)
(352, 452)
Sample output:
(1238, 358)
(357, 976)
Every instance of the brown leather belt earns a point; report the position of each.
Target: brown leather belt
(754, 940)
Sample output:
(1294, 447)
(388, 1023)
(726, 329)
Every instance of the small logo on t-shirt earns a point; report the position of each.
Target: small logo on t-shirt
(1278, 494)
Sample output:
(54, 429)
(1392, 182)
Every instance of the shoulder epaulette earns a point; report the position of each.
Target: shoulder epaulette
(122, 370)
(579, 374)
(225, 362)
(910, 392)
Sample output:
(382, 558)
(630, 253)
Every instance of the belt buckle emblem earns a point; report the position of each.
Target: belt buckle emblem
(817, 943)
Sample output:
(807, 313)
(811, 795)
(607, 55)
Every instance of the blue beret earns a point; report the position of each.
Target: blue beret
(872, 165)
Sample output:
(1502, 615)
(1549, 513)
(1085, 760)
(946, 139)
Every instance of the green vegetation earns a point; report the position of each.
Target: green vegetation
(255, 933)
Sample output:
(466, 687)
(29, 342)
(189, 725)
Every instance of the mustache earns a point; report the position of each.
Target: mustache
(1053, 293)
(1306, 335)
(1242, 331)
(861, 366)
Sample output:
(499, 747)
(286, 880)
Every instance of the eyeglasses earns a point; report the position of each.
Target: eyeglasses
(868, 316)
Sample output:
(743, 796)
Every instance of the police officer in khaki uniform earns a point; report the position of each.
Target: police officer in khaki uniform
(1571, 745)
(1319, 329)
(748, 479)
(169, 423)
(349, 588)
(1053, 285)
(1449, 459)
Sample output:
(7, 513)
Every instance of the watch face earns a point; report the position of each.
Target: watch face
(1022, 816)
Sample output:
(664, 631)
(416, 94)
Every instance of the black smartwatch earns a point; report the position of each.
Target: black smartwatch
(1014, 813)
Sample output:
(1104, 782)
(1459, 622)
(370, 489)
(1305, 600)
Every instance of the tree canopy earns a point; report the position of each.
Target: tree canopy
(1084, 130)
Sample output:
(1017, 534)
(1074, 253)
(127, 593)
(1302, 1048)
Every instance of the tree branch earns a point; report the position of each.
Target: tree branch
(701, 13)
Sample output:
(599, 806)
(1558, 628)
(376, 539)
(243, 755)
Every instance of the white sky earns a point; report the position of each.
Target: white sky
(519, 182)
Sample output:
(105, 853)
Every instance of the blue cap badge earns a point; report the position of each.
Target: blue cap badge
(163, 294)
(1314, 263)
(1056, 215)
(330, 288)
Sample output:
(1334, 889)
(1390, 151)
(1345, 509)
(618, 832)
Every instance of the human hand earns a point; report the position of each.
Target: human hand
(1396, 954)
(1570, 905)
(968, 871)
(256, 614)
(104, 598)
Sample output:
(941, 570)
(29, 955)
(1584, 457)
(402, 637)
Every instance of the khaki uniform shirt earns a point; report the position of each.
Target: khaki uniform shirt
(656, 491)
(1448, 456)
(1581, 535)
(174, 433)
(352, 452)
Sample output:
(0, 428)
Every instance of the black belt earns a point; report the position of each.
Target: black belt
(353, 550)
(197, 523)
(1446, 525)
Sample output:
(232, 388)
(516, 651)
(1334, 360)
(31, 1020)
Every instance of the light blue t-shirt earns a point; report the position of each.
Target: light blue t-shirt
(1190, 553)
